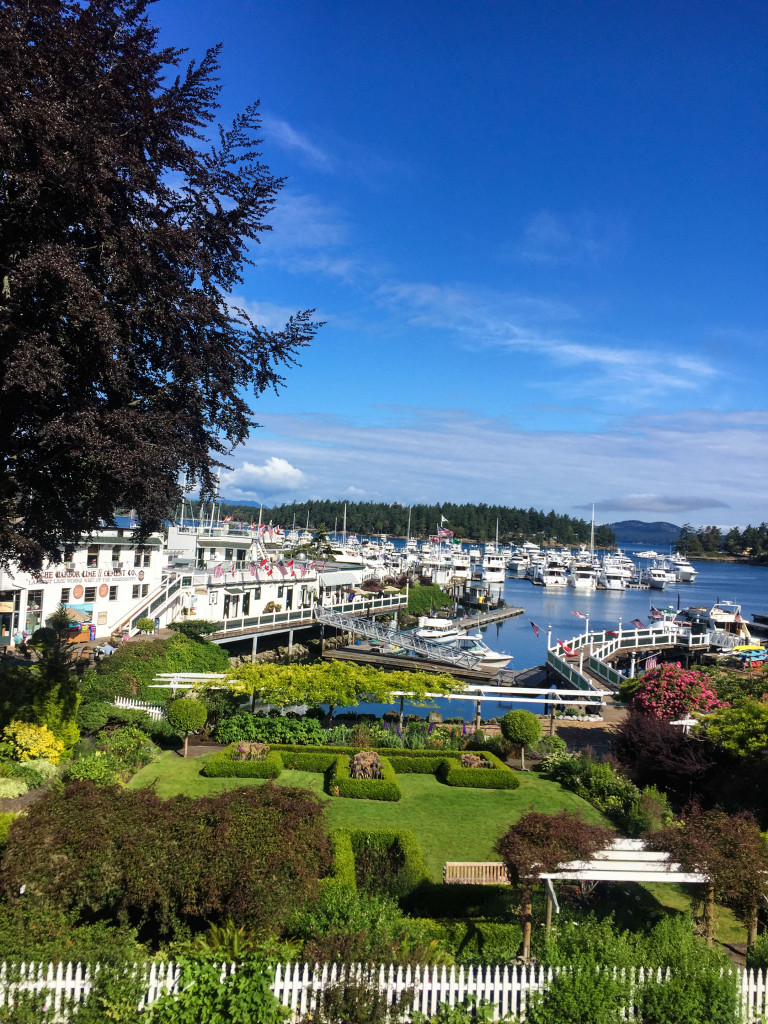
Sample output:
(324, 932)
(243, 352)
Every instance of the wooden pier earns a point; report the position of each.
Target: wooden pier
(364, 654)
(482, 618)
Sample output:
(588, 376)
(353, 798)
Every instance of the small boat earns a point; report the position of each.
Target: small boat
(473, 643)
(438, 631)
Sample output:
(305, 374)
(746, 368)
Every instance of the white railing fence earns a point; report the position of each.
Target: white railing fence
(298, 986)
(155, 711)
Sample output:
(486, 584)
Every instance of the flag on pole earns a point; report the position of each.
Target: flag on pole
(579, 615)
(252, 568)
(228, 519)
(444, 534)
(737, 618)
(312, 565)
(651, 662)
(534, 627)
(264, 564)
(655, 613)
(443, 519)
(218, 571)
(611, 632)
(566, 648)
(283, 571)
(253, 526)
(303, 570)
(638, 623)
(289, 565)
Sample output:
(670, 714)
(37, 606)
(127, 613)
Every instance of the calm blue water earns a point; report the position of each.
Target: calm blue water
(746, 585)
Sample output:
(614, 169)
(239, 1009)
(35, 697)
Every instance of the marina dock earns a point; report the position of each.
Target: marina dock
(482, 618)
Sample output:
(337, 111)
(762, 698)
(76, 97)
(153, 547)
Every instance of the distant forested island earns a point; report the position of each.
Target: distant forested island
(468, 522)
(634, 531)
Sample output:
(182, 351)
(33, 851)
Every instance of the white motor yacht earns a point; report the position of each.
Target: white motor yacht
(473, 643)
(439, 631)
(655, 578)
(686, 573)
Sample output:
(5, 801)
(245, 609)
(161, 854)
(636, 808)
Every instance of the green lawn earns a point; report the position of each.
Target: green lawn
(449, 823)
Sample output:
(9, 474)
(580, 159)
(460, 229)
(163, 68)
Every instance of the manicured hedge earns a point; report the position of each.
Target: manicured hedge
(307, 760)
(499, 776)
(342, 873)
(224, 766)
(421, 762)
(471, 941)
(340, 783)
(399, 854)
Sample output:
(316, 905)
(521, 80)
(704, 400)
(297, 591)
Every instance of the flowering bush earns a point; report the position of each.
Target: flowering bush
(670, 692)
(474, 761)
(250, 751)
(365, 765)
(26, 741)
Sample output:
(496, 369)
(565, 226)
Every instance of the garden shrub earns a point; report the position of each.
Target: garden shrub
(339, 782)
(187, 715)
(6, 819)
(99, 767)
(701, 994)
(550, 745)
(471, 941)
(131, 747)
(671, 691)
(342, 871)
(630, 809)
(417, 762)
(92, 716)
(270, 729)
(365, 765)
(120, 854)
(387, 861)
(131, 670)
(757, 955)
(33, 931)
(307, 760)
(12, 788)
(26, 741)
(44, 694)
(22, 770)
(228, 765)
(496, 776)
(586, 994)
(358, 998)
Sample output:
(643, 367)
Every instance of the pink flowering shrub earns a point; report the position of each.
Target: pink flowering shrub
(671, 691)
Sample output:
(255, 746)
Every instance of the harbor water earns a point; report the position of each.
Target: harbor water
(717, 581)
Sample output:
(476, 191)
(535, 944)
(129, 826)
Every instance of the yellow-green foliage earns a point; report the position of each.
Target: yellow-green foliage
(30, 741)
(5, 826)
(337, 683)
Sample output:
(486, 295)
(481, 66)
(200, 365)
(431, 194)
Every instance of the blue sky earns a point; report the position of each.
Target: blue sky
(537, 232)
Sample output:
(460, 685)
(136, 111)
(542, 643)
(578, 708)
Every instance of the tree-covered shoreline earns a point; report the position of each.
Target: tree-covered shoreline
(467, 521)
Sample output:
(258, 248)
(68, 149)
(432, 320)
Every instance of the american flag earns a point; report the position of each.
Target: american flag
(534, 627)
(443, 533)
(218, 571)
(655, 613)
(303, 570)
(282, 568)
(651, 662)
(638, 623)
(252, 568)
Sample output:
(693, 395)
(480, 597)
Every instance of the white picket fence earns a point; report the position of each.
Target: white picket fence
(156, 711)
(297, 986)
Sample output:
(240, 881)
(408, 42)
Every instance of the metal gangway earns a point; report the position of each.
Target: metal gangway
(371, 630)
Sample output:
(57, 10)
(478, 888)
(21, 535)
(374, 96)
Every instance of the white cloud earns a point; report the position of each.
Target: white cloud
(284, 135)
(300, 222)
(256, 483)
(407, 455)
(584, 236)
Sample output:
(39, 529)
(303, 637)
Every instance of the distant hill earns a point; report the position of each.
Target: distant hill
(632, 531)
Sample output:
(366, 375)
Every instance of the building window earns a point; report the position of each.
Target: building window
(116, 552)
(65, 595)
(246, 603)
(256, 593)
(136, 591)
(280, 591)
(144, 589)
(137, 558)
(147, 557)
(228, 553)
(90, 595)
(113, 593)
(93, 556)
(241, 553)
(211, 553)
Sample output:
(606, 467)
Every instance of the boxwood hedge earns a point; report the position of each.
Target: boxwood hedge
(497, 776)
(340, 783)
(223, 765)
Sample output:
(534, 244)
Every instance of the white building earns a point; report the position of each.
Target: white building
(106, 582)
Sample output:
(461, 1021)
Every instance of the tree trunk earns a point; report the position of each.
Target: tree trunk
(522, 756)
(752, 927)
(548, 925)
(709, 913)
(526, 916)
(186, 741)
